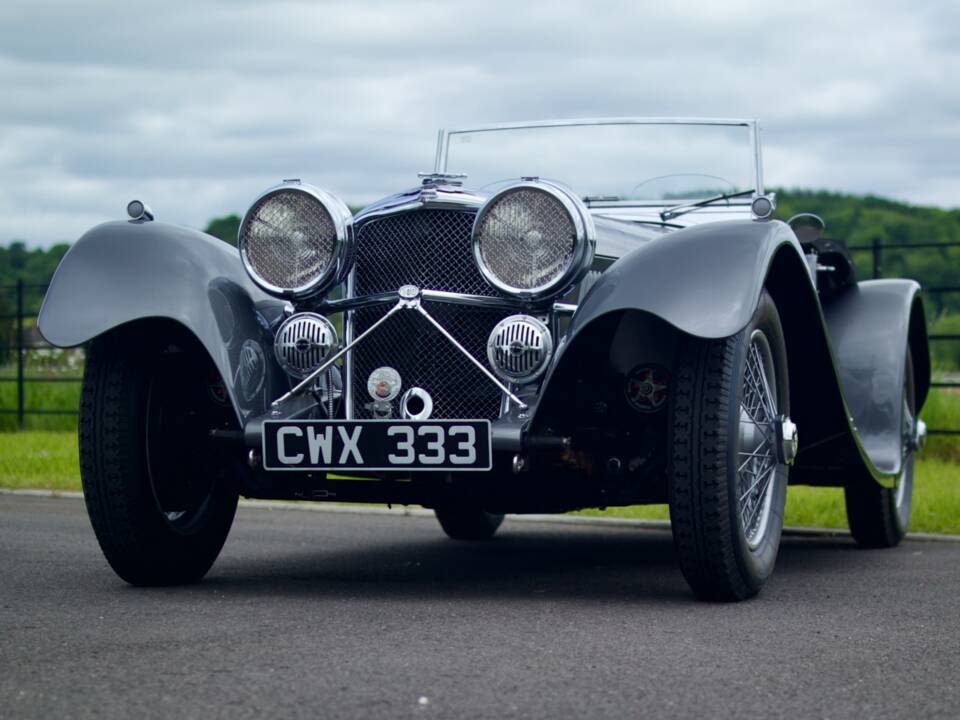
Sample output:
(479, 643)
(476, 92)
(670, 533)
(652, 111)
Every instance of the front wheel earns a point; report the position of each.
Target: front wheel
(731, 440)
(160, 497)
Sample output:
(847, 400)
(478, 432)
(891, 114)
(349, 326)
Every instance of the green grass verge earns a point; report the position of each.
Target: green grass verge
(49, 460)
(33, 459)
(936, 503)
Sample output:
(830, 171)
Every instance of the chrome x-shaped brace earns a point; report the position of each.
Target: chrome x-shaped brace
(409, 299)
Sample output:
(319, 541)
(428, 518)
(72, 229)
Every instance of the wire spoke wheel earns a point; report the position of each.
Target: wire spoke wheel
(758, 440)
(730, 448)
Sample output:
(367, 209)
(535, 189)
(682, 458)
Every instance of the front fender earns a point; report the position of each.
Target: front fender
(122, 272)
(705, 280)
(846, 360)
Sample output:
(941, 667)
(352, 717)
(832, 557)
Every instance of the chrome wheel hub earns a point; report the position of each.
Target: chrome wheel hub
(765, 440)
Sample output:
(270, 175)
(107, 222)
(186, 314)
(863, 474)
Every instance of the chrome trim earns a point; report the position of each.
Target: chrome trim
(479, 365)
(580, 261)
(435, 178)
(443, 135)
(308, 380)
(342, 257)
(139, 210)
(919, 438)
(322, 329)
(510, 333)
(410, 301)
(439, 296)
(348, 340)
(429, 197)
(424, 397)
(763, 206)
(789, 440)
(395, 383)
(483, 301)
(353, 303)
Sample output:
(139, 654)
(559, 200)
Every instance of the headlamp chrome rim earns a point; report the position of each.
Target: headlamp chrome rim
(343, 245)
(584, 247)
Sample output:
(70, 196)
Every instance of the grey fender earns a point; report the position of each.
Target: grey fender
(706, 281)
(871, 326)
(124, 272)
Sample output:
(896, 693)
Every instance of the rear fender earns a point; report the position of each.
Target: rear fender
(124, 272)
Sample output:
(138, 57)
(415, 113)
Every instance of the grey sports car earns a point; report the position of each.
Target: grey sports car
(608, 316)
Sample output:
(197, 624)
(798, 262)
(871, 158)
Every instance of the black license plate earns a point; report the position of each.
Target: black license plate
(377, 445)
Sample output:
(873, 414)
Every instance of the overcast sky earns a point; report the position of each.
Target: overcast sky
(197, 106)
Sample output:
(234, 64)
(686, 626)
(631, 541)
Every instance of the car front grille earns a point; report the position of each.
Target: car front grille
(432, 250)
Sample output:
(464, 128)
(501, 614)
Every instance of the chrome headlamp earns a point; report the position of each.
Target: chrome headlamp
(297, 240)
(533, 239)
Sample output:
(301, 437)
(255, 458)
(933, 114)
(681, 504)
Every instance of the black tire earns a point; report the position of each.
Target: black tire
(467, 523)
(879, 516)
(718, 559)
(160, 497)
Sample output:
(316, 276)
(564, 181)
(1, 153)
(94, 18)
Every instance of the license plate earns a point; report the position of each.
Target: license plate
(377, 445)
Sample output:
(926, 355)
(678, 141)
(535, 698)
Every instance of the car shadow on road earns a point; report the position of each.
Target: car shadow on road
(532, 562)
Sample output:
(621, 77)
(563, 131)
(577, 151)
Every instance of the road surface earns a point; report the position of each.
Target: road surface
(330, 615)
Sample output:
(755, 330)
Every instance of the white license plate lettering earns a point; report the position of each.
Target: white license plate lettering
(377, 445)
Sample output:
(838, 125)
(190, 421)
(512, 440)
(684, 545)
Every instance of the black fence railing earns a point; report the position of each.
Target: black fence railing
(20, 340)
(25, 339)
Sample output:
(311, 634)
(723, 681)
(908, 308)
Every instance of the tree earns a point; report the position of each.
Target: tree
(226, 228)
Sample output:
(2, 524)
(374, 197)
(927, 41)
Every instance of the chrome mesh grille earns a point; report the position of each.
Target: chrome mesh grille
(430, 249)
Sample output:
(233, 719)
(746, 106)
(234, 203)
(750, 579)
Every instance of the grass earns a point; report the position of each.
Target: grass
(49, 460)
(936, 503)
(36, 459)
(52, 364)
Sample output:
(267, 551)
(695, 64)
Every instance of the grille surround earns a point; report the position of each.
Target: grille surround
(432, 249)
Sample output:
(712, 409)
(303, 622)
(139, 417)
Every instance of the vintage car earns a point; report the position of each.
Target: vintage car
(610, 317)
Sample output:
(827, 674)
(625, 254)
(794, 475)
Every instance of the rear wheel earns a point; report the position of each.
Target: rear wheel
(160, 496)
(879, 516)
(728, 471)
(467, 523)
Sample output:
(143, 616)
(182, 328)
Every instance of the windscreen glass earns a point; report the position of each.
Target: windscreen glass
(616, 162)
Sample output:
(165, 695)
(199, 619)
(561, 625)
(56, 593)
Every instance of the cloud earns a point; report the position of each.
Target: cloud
(196, 107)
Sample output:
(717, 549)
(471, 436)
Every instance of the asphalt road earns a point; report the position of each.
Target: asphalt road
(326, 616)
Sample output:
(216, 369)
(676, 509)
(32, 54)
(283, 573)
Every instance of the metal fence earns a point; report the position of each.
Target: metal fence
(18, 346)
(25, 311)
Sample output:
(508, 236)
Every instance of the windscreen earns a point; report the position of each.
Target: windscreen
(649, 163)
